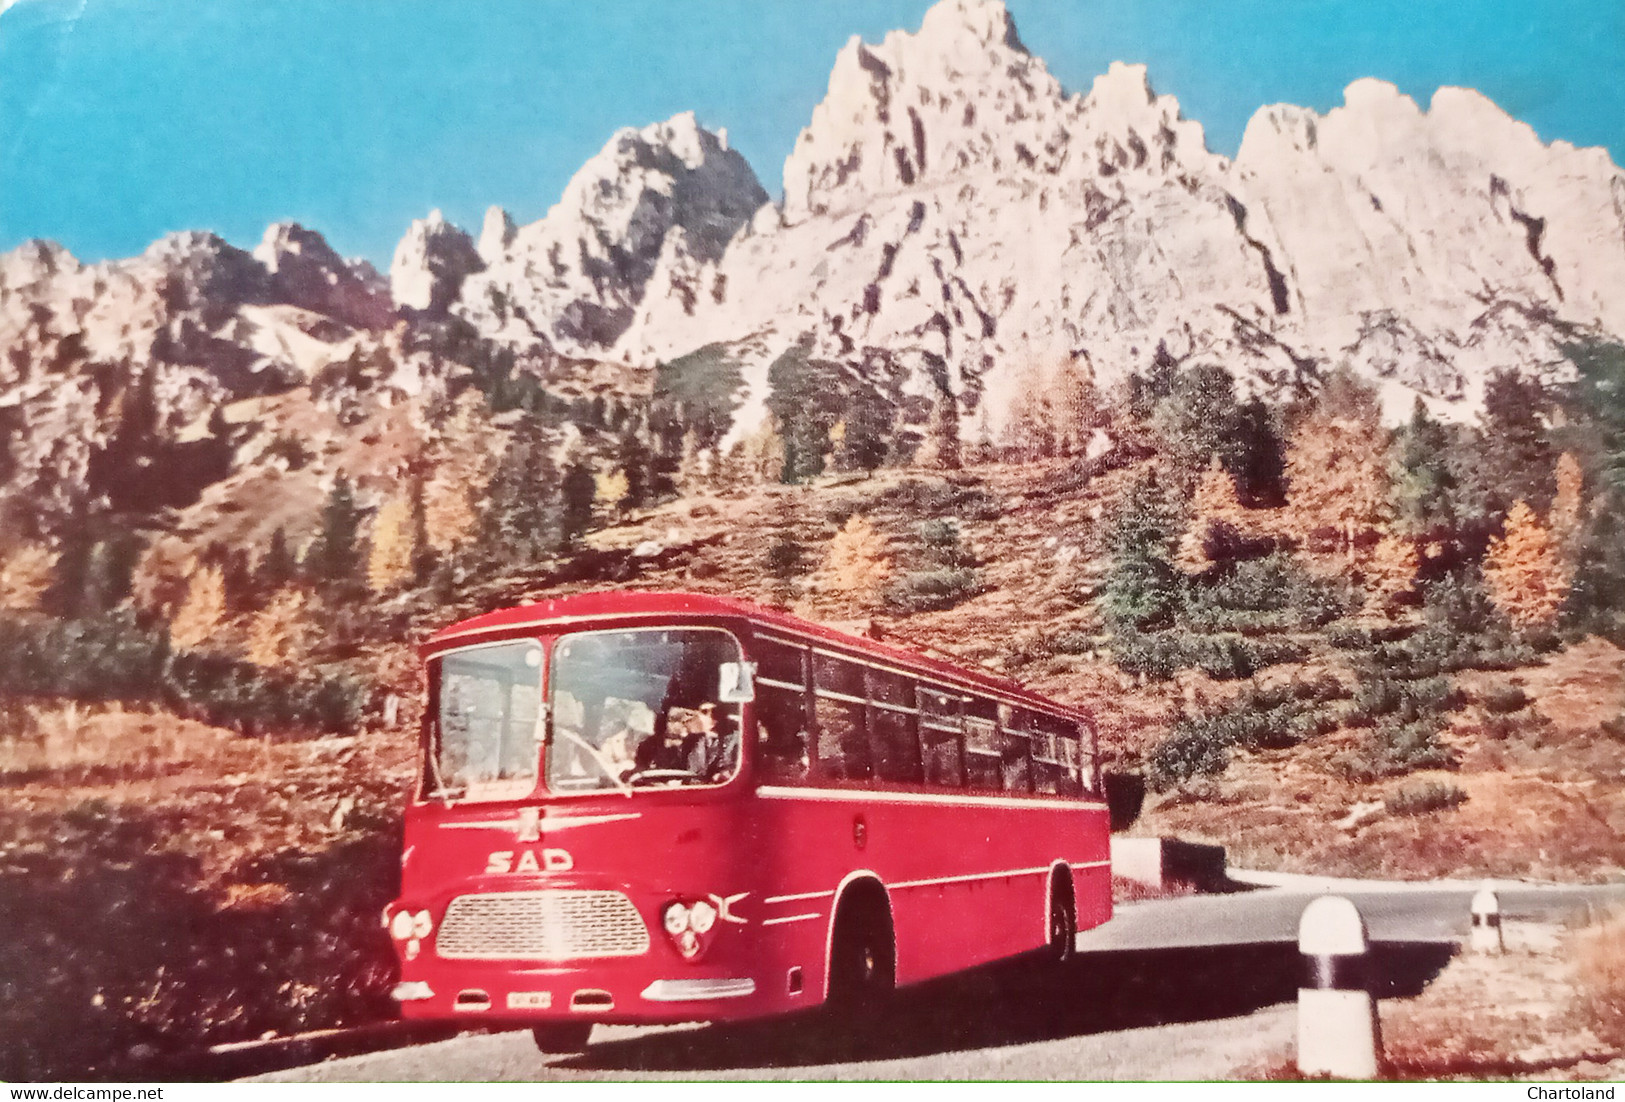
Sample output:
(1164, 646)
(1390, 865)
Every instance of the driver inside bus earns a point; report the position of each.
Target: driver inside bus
(667, 748)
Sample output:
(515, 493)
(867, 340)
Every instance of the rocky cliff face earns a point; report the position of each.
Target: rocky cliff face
(430, 265)
(668, 197)
(950, 209)
(116, 376)
(952, 220)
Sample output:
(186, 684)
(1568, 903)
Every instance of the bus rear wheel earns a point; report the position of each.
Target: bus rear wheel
(562, 1038)
(863, 959)
(1063, 919)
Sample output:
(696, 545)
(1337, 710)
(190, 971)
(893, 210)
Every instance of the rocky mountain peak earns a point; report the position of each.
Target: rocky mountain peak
(985, 23)
(496, 234)
(306, 272)
(431, 262)
(33, 263)
(962, 98)
(197, 268)
(572, 280)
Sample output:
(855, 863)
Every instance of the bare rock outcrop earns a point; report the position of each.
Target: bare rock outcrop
(431, 262)
(572, 281)
(306, 272)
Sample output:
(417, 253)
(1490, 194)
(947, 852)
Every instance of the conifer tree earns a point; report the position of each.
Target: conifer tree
(277, 567)
(636, 465)
(1257, 456)
(25, 575)
(1197, 419)
(761, 454)
(1388, 572)
(423, 557)
(523, 512)
(577, 489)
(1515, 458)
(610, 489)
(857, 563)
(786, 556)
(1424, 484)
(335, 558)
(945, 429)
(1029, 427)
(203, 611)
(1565, 518)
(1524, 572)
(868, 424)
(459, 465)
(279, 634)
(1216, 521)
(389, 563)
(1141, 591)
(1337, 470)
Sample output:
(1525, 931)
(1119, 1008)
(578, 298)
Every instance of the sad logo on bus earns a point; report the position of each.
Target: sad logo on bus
(530, 860)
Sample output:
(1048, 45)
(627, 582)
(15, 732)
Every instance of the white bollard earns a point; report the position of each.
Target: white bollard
(1338, 1033)
(1486, 936)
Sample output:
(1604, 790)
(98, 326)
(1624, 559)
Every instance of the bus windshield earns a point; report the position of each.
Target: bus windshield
(643, 708)
(485, 711)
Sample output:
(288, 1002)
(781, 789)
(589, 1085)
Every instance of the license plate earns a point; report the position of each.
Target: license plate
(530, 1000)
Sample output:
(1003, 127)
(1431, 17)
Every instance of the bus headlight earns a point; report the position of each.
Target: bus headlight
(674, 918)
(400, 927)
(701, 917)
(422, 923)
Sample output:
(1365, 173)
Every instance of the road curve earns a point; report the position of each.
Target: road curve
(1193, 988)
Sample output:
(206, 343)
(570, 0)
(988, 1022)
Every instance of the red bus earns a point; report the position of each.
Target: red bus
(661, 807)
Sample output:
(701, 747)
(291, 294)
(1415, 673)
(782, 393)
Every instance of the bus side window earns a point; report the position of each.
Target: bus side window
(1057, 759)
(783, 731)
(940, 736)
(776, 662)
(984, 770)
(843, 736)
(892, 728)
(781, 735)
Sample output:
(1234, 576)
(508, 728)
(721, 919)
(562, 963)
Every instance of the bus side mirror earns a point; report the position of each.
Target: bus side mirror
(737, 684)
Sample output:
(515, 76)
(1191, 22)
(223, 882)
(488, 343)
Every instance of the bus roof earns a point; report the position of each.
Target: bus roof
(630, 604)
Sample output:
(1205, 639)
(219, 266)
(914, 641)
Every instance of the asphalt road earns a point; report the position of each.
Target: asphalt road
(1198, 987)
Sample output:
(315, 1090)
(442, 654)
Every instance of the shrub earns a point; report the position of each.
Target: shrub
(936, 498)
(1405, 701)
(113, 658)
(1600, 960)
(1275, 583)
(1074, 642)
(1257, 719)
(1153, 655)
(1503, 699)
(1353, 637)
(1185, 755)
(1419, 799)
(929, 590)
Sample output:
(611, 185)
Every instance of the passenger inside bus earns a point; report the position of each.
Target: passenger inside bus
(667, 747)
(782, 737)
(713, 746)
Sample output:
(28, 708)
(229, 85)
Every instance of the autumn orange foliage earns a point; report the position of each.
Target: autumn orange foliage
(1524, 572)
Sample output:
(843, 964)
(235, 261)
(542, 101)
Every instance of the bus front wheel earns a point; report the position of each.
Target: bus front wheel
(562, 1038)
(863, 959)
(1063, 919)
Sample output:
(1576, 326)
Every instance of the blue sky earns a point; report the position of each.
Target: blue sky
(121, 120)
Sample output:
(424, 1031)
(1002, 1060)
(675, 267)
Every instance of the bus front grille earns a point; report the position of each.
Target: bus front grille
(542, 925)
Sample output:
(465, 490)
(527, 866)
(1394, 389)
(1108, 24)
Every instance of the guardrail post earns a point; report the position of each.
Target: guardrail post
(1338, 1032)
(1487, 936)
